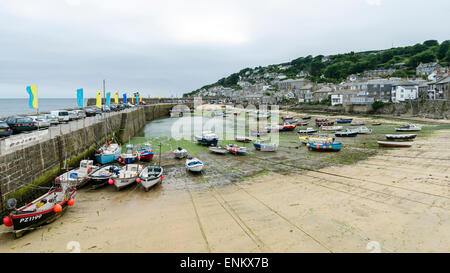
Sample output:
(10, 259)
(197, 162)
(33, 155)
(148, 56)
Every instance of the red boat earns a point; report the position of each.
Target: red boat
(325, 123)
(145, 152)
(288, 127)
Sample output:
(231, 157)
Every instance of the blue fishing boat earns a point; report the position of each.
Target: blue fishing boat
(130, 155)
(108, 153)
(324, 146)
(207, 138)
(264, 146)
(145, 152)
(344, 120)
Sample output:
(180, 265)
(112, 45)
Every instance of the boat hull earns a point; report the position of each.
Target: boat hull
(401, 137)
(146, 156)
(346, 134)
(333, 147)
(398, 144)
(148, 184)
(121, 183)
(105, 159)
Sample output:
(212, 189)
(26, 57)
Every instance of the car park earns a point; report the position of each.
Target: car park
(21, 124)
(5, 129)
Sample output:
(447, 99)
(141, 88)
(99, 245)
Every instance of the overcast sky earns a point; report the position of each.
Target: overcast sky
(171, 47)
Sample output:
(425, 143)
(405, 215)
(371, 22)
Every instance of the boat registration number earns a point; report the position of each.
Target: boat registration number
(31, 218)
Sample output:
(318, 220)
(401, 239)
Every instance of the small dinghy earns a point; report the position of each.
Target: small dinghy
(258, 133)
(236, 150)
(402, 144)
(265, 146)
(287, 117)
(307, 117)
(180, 153)
(104, 175)
(274, 128)
(346, 133)
(319, 138)
(364, 130)
(126, 176)
(218, 150)
(324, 146)
(376, 124)
(130, 155)
(307, 131)
(207, 138)
(41, 211)
(194, 164)
(408, 128)
(344, 120)
(145, 152)
(294, 120)
(108, 153)
(302, 123)
(244, 139)
(357, 123)
(150, 176)
(401, 137)
(287, 127)
(324, 123)
(330, 128)
(77, 178)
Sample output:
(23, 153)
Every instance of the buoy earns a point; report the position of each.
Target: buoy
(57, 179)
(7, 221)
(57, 208)
(110, 181)
(71, 202)
(138, 180)
(162, 177)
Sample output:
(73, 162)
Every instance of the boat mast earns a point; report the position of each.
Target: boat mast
(160, 154)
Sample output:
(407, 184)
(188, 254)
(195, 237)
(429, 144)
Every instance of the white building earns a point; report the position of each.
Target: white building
(404, 90)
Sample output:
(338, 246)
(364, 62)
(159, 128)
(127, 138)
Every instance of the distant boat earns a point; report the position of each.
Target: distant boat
(302, 123)
(324, 123)
(150, 176)
(319, 138)
(308, 117)
(130, 155)
(235, 149)
(323, 146)
(307, 131)
(244, 139)
(330, 128)
(408, 128)
(194, 164)
(207, 138)
(180, 153)
(218, 150)
(346, 133)
(344, 120)
(357, 123)
(273, 128)
(265, 147)
(401, 137)
(321, 119)
(287, 117)
(376, 124)
(287, 127)
(77, 177)
(404, 144)
(108, 153)
(364, 130)
(127, 175)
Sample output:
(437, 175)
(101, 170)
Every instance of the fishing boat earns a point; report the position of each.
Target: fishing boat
(41, 211)
(150, 176)
(108, 153)
(130, 155)
(194, 164)
(321, 119)
(324, 146)
(402, 137)
(145, 152)
(180, 153)
(346, 133)
(307, 131)
(357, 123)
(218, 150)
(287, 117)
(376, 124)
(236, 150)
(244, 139)
(265, 146)
(307, 117)
(287, 127)
(207, 138)
(344, 120)
(77, 177)
(319, 138)
(103, 175)
(302, 123)
(126, 176)
(258, 133)
(330, 128)
(324, 123)
(403, 144)
(294, 120)
(274, 128)
(408, 128)
(363, 130)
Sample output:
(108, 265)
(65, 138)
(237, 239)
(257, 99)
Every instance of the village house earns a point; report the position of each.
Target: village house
(427, 68)
(292, 84)
(443, 88)
(322, 93)
(404, 90)
(342, 97)
(379, 72)
(303, 91)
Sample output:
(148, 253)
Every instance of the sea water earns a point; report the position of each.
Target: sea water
(9, 107)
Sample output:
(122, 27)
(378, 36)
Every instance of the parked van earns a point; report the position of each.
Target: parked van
(63, 115)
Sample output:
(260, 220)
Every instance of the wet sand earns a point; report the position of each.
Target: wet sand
(398, 200)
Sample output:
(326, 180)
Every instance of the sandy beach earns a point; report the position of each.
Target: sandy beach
(395, 201)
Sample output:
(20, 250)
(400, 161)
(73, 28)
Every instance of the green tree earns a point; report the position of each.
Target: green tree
(443, 48)
(430, 43)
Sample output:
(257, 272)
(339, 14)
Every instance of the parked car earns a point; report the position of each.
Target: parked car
(73, 115)
(63, 115)
(80, 113)
(21, 124)
(106, 108)
(90, 112)
(52, 118)
(41, 121)
(5, 130)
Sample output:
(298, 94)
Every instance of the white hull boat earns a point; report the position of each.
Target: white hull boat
(150, 176)
(127, 175)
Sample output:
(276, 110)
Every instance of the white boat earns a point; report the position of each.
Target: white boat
(331, 128)
(401, 137)
(218, 150)
(180, 153)
(265, 147)
(108, 153)
(150, 176)
(127, 175)
(408, 128)
(77, 177)
(236, 150)
(405, 144)
(363, 130)
(245, 139)
(194, 164)
(207, 138)
(308, 131)
(273, 128)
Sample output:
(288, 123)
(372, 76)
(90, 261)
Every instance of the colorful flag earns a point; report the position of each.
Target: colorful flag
(80, 97)
(99, 99)
(137, 98)
(132, 100)
(140, 98)
(108, 99)
(116, 98)
(32, 91)
(124, 98)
